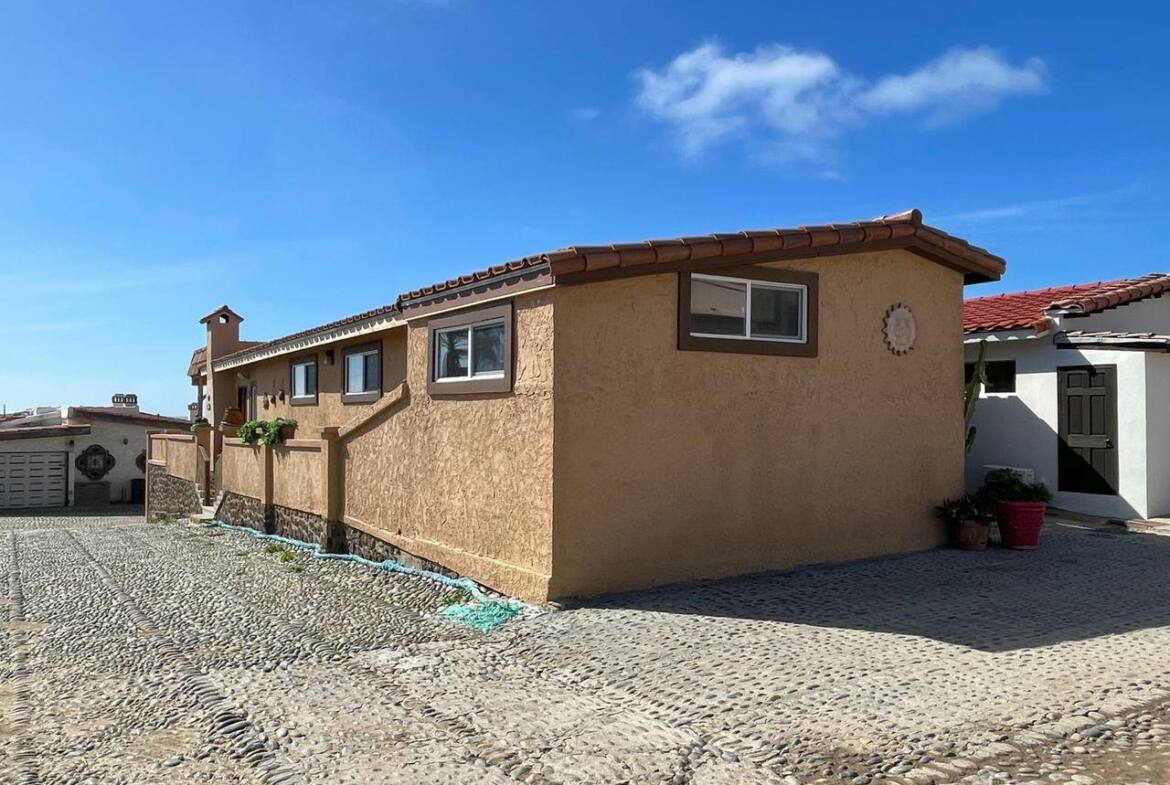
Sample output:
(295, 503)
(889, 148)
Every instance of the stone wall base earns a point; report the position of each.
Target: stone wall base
(299, 525)
(347, 539)
(242, 511)
(169, 496)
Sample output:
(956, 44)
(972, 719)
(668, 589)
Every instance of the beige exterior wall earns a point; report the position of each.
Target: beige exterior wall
(466, 482)
(274, 376)
(178, 452)
(243, 468)
(298, 472)
(672, 465)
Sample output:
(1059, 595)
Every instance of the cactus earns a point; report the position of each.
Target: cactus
(971, 394)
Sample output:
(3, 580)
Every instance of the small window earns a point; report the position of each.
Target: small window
(1000, 374)
(304, 381)
(363, 375)
(734, 308)
(755, 310)
(471, 352)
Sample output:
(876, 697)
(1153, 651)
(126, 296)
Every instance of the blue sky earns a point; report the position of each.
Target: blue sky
(157, 159)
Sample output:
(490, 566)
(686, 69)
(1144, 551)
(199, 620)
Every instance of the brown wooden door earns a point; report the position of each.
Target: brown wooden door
(1088, 429)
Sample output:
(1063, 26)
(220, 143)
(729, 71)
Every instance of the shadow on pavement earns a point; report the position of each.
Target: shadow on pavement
(1077, 585)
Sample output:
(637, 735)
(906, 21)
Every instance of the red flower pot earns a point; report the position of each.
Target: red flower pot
(1020, 522)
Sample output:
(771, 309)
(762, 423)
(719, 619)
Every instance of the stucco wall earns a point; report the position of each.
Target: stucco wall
(179, 453)
(273, 376)
(297, 476)
(466, 482)
(673, 465)
(111, 435)
(243, 469)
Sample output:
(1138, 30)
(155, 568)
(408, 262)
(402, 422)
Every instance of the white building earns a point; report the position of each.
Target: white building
(1078, 392)
(76, 455)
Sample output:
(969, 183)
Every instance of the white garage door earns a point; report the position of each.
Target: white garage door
(32, 479)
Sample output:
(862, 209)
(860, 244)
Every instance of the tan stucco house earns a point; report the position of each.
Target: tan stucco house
(611, 417)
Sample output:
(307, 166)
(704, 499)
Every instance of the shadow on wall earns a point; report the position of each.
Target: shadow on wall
(1010, 434)
(1076, 586)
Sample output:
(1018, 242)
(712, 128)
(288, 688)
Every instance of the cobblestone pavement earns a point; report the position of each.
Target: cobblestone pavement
(168, 653)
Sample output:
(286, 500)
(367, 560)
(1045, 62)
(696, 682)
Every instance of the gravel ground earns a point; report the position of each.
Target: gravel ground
(136, 653)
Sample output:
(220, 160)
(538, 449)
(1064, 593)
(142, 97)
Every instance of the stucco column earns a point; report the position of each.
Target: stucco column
(146, 485)
(332, 489)
(266, 498)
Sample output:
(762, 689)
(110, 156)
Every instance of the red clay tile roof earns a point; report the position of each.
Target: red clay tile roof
(898, 230)
(195, 367)
(903, 229)
(1020, 310)
(357, 317)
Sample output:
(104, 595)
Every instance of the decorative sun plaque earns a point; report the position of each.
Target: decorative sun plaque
(900, 328)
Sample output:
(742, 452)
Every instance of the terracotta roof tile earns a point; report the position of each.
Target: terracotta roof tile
(354, 318)
(907, 226)
(1020, 310)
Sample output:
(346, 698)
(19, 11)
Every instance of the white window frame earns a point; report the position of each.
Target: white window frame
(345, 371)
(470, 330)
(747, 322)
(299, 364)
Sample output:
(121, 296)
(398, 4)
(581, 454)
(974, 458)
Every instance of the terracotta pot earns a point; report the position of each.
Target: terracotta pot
(287, 432)
(1020, 523)
(233, 416)
(972, 535)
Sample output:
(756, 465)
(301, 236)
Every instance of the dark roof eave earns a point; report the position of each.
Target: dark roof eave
(42, 432)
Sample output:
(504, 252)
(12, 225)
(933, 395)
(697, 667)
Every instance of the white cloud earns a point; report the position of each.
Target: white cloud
(803, 97)
(961, 81)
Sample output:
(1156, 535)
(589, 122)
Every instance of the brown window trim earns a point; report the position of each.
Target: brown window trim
(362, 397)
(471, 386)
(690, 343)
(304, 400)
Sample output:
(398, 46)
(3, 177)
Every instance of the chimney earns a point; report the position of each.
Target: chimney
(223, 338)
(223, 332)
(125, 401)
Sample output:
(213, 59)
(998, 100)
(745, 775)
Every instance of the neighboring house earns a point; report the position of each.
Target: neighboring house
(76, 455)
(1078, 392)
(612, 417)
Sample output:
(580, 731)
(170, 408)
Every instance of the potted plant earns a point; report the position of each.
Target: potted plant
(1019, 507)
(269, 432)
(969, 527)
(286, 428)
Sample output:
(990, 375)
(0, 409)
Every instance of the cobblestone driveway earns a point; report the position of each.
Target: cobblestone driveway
(171, 653)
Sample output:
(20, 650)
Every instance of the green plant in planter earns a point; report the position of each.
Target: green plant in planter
(1004, 485)
(956, 511)
(265, 431)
